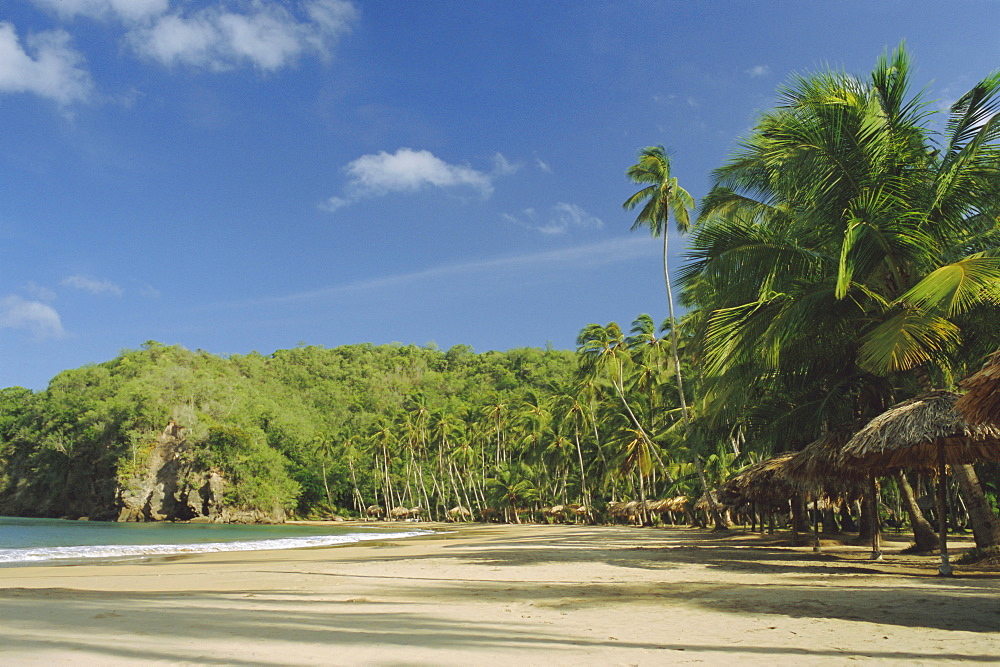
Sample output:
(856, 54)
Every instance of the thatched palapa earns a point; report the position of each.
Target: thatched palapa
(761, 482)
(981, 402)
(922, 432)
(910, 434)
(819, 468)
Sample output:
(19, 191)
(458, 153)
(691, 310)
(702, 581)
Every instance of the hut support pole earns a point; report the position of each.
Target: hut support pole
(815, 518)
(876, 524)
(942, 501)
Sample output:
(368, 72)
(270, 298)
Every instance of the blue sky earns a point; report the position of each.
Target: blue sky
(248, 175)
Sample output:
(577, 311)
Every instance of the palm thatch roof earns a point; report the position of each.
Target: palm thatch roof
(676, 504)
(819, 468)
(910, 433)
(762, 482)
(701, 505)
(981, 402)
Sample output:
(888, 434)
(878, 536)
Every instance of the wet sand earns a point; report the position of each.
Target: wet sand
(525, 595)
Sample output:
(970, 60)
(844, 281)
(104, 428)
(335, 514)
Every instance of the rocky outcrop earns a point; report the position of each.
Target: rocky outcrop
(171, 488)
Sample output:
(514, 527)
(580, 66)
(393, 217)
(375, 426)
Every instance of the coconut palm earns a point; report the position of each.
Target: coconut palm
(570, 408)
(659, 198)
(325, 449)
(842, 247)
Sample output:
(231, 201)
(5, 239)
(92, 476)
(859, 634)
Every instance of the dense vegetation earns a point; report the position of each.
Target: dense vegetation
(847, 258)
(335, 430)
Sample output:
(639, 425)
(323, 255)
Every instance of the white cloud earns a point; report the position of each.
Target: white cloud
(758, 70)
(543, 166)
(408, 170)
(334, 204)
(40, 292)
(47, 67)
(129, 10)
(268, 36)
(561, 218)
(93, 285)
(504, 167)
(34, 316)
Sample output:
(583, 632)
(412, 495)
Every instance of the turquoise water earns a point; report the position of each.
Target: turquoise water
(38, 541)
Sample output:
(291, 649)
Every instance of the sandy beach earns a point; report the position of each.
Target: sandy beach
(527, 595)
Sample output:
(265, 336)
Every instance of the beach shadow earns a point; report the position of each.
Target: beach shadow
(183, 627)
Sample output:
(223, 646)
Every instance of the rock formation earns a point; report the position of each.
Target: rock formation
(171, 488)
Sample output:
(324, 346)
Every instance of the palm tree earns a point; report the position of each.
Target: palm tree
(512, 489)
(661, 196)
(604, 352)
(571, 408)
(324, 450)
(842, 249)
(351, 453)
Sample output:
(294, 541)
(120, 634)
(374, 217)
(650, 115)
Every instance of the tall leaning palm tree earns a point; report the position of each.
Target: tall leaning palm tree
(659, 198)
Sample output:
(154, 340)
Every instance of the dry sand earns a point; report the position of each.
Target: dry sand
(512, 595)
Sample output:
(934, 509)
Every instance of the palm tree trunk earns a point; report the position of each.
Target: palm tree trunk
(354, 482)
(924, 537)
(325, 485)
(985, 524)
(713, 505)
(673, 323)
(423, 488)
(583, 478)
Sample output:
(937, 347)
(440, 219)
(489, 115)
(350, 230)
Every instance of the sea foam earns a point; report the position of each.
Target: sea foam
(128, 551)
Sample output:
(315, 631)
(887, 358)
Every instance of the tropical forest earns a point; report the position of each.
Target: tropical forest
(843, 269)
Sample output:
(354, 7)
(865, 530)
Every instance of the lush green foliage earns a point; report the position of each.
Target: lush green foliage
(848, 257)
(337, 430)
(847, 252)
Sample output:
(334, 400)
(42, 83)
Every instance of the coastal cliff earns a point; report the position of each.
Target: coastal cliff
(173, 487)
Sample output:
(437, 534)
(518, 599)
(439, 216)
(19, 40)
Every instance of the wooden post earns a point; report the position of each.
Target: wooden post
(942, 502)
(876, 524)
(816, 546)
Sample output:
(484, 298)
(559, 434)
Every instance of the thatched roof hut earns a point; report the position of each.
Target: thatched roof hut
(762, 482)
(701, 505)
(924, 431)
(678, 504)
(657, 506)
(981, 402)
(911, 433)
(399, 512)
(819, 468)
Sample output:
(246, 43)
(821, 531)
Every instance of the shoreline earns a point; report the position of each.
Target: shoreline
(62, 543)
(492, 593)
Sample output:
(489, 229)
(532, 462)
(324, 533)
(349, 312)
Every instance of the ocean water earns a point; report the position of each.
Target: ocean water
(52, 541)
